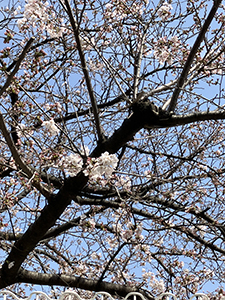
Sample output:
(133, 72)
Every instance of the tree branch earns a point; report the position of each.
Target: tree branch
(18, 62)
(50, 213)
(84, 112)
(192, 54)
(169, 204)
(111, 260)
(145, 117)
(77, 282)
(177, 120)
(137, 64)
(85, 71)
(72, 223)
(72, 186)
(19, 162)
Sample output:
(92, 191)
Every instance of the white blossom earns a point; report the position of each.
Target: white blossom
(161, 55)
(96, 167)
(166, 50)
(113, 243)
(47, 106)
(72, 164)
(208, 273)
(58, 107)
(127, 234)
(103, 165)
(164, 11)
(36, 14)
(94, 255)
(130, 225)
(138, 232)
(157, 285)
(51, 127)
(20, 129)
(124, 182)
(17, 10)
(202, 230)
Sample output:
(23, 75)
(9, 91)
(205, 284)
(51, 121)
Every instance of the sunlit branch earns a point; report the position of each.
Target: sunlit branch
(137, 64)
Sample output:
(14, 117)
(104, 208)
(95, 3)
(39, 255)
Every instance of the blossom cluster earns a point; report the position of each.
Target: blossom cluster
(166, 50)
(51, 127)
(158, 286)
(87, 225)
(37, 14)
(119, 10)
(103, 165)
(130, 232)
(23, 131)
(95, 169)
(164, 11)
(94, 65)
(72, 164)
(123, 181)
(57, 107)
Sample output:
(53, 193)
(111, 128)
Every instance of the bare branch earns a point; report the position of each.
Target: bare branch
(6, 133)
(85, 71)
(137, 66)
(177, 120)
(36, 231)
(20, 59)
(77, 282)
(191, 55)
(18, 159)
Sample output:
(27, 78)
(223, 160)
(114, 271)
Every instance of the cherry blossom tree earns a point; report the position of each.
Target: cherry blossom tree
(112, 146)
